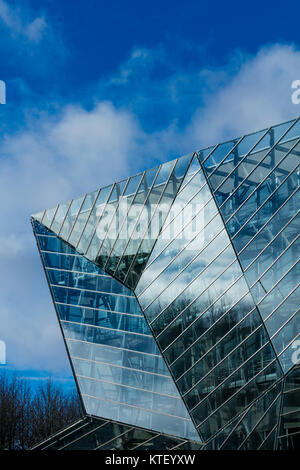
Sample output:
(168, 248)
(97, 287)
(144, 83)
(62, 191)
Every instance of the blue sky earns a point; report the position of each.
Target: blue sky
(100, 90)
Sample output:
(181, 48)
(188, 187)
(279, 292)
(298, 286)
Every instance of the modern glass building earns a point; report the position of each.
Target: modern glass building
(177, 293)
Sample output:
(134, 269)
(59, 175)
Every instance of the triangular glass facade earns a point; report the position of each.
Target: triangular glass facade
(194, 263)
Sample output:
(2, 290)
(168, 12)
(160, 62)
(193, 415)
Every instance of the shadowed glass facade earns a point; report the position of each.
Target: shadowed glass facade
(177, 291)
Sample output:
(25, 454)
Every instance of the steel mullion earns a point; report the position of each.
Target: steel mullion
(148, 440)
(114, 438)
(250, 152)
(178, 398)
(56, 209)
(256, 166)
(255, 305)
(267, 246)
(259, 185)
(206, 309)
(87, 220)
(86, 325)
(266, 223)
(113, 217)
(100, 309)
(266, 200)
(232, 373)
(76, 217)
(242, 416)
(84, 435)
(64, 219)
(238, 141)
(224, 359)
(215, 344)
(91, 290)
(269, 434)
(239, 420)
(58, 206)
(180, 232)
(165, 226)
(190, 283)
(50, 438)
(236, 393)
(285, 323)
(188, 264)
(259, 421)
(100, 217)
(284, 299)
(215, 214)
(146, 200)
(42, 216)
(138, 407)
(213, 147)
(113, 347)
(120, 367)
(128, 211)
(149, 224)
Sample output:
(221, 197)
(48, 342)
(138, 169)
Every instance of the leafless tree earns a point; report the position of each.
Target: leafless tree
(28, 417)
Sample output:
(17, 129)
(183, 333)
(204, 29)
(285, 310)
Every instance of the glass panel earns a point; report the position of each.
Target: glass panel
(38, 216)
(59, 217)
(129, 440)
(267, 209)
(94, 439)
(223, 369)
(287, 334)
(48, 217)
(41, 229)
(144, 418)
(104, 318)
(132, 396)
(284, 261)
(193, 169)
(117, 356)
(84, 298)
(54, 244)
(283, 288)
(189, 315)
(72, 263)
(197, 244)
(232, 384)
(136, 257)
(109, 337)
(218, 155)
(105, 220)
(241, 172)
(283, 313)
(94, 217)
(88, 281)
(239, 401)
(122, 376)
(272, 228)
(205, 360)
(179, 233)
(82, 218)
(70, 219)
(128, 212)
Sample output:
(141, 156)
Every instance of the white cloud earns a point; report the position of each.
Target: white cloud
(16, 20)
(80, 150)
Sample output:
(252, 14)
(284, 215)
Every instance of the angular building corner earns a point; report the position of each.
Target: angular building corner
(177, 293)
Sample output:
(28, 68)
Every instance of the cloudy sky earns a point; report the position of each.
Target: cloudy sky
(99, 90)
